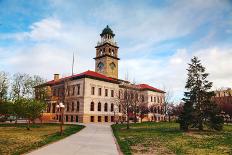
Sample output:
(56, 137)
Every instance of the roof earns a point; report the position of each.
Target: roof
(147, 87)
(107, 30)
(87, 74)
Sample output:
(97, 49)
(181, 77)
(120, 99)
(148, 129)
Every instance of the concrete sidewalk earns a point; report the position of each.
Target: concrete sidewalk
(94, 139)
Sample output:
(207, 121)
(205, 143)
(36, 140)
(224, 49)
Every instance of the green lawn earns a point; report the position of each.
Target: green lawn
(15, 139)
(166, 138)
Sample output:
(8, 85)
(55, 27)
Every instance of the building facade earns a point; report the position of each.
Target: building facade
(92, 96)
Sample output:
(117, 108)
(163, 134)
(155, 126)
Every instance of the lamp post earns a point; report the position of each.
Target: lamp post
(60, 107)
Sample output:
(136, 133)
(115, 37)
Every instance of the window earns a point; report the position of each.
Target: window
(119, 108)
(99, 118)
(67, 106)
(54, 92)
(92, 106)
(92, 119)
(78, 89)
(93, 90)
(99, 106)
(101, 52)
(78, 106)
(68, 90)
(112, 118)
(106, 92)
(73, 90)
(106, 107)
(72, 106)
(151, 98)
(106, 118)
(66, 117)
(71, 118)
(77, 119)
(155, 110)
(99, 91)
(158, 99)
(142, 98)
(112, 93)
(100, 66)
(154, 99)
(112, 107)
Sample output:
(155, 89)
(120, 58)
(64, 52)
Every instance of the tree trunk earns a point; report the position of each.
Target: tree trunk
(28, 124)
(169, 118)
(16, 120)
(127, 123)
(200, 125)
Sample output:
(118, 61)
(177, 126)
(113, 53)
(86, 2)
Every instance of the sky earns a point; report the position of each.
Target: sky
(156, 39)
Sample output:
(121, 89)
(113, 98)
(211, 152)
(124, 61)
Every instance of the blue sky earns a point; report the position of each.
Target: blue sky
(156, 38)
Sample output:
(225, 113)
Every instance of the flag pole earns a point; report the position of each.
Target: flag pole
(73, 63)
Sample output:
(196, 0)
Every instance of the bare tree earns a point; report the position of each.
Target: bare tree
(4, 84)
(124, 101)
(167, 100)
(136, 101)
(143, 110)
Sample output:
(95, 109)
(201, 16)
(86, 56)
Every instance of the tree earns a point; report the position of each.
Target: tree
(21, 86)
(4, 84)
(33, 110)
(143, 110)
(154, 110)
(167, 100)
(29, 109)
(124, 101)
(136, 101)
(174, 110)
(198, 106)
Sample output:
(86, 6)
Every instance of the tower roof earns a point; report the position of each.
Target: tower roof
(107, 30)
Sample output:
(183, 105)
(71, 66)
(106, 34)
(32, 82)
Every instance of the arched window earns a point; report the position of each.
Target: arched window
(99, 106)
(112, 107)
(100, 66)
(112, 65)
(101, 53)
(106, 107)
(78, 106)
(92, 106)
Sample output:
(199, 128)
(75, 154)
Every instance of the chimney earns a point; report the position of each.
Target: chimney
(56, 77)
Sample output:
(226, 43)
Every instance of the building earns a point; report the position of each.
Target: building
(91, 96)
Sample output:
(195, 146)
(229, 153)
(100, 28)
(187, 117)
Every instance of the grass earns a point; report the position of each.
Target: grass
(15, 139)
(166, 138)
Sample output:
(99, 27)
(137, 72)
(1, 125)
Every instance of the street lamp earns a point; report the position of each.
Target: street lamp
(60, 108)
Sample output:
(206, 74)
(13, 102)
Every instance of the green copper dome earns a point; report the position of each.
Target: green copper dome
(107, 30)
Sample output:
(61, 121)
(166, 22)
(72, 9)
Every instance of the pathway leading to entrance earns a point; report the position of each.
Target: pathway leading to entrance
(94, 139)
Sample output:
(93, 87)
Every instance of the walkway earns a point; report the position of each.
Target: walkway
(94, 139)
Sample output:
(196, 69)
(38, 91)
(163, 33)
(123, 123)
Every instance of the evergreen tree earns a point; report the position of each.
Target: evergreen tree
(199, 109)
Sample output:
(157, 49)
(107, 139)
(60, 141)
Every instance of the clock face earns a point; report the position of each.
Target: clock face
(100, 66)
(112, 66)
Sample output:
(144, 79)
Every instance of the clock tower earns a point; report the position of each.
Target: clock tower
(106, 60)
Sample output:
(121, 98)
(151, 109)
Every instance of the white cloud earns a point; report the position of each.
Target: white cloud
(46, 29)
